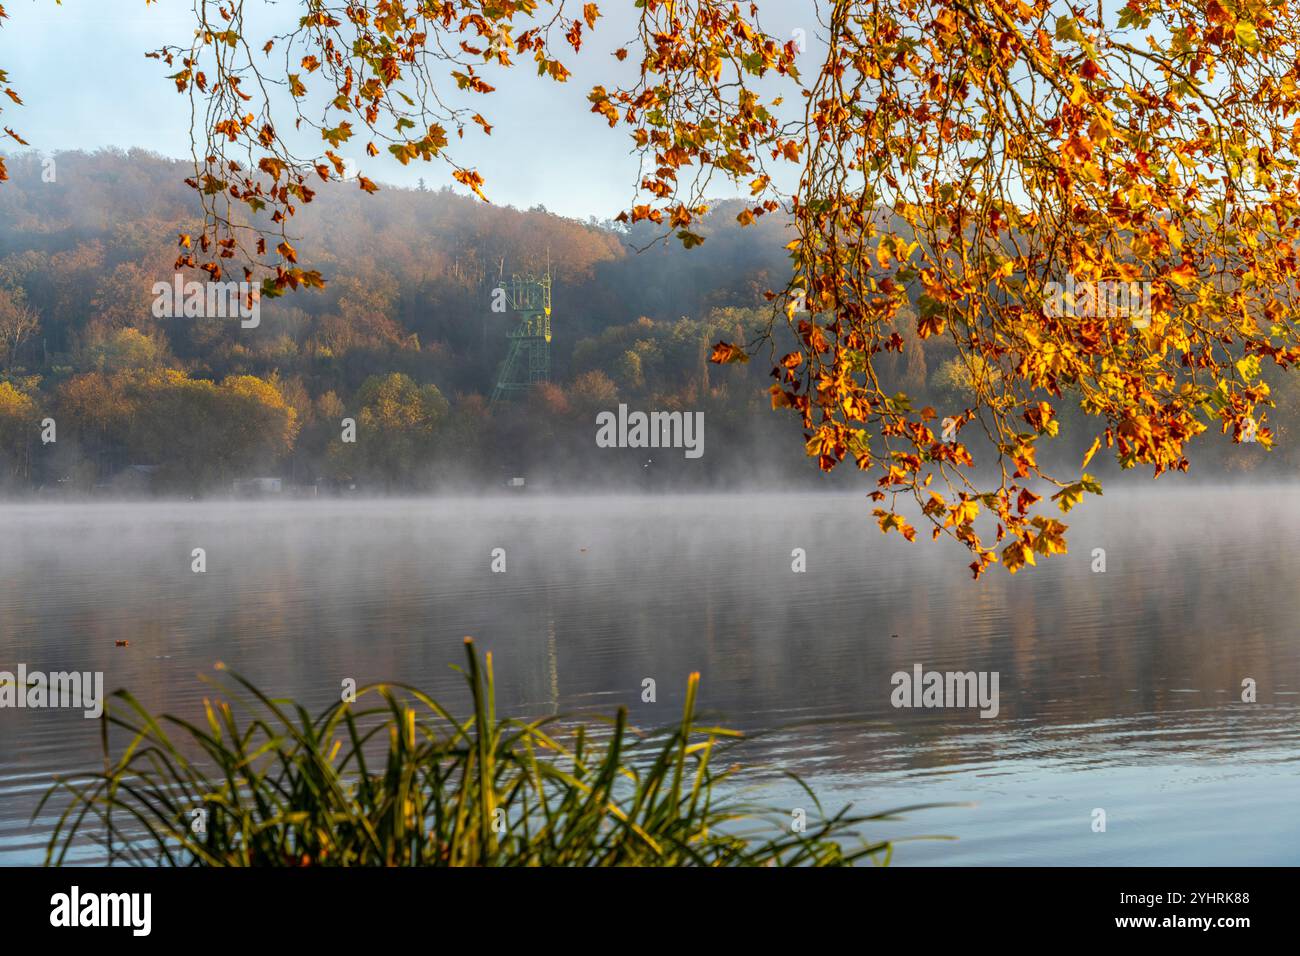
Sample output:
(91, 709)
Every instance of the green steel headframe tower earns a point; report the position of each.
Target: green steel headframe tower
(528, 360)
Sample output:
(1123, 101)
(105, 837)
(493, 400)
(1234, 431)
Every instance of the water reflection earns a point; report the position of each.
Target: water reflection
(1118, 690)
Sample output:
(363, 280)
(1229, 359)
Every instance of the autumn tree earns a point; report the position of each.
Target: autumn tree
(126, 349)
(395, 436)
(18, 428)
(971, 160)
(94, 413)
(200, 432)
(18, 323)
(592, 392)
(261, 424)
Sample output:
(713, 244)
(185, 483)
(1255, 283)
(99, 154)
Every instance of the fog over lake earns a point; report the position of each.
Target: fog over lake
(1118, 691)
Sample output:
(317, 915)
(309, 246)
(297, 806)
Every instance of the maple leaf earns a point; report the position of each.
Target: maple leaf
(473, 180)
(725, 352)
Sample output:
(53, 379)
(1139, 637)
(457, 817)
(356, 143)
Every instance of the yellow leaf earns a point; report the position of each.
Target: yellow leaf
(1096, 443)
(1078, 95)
(1183, 275)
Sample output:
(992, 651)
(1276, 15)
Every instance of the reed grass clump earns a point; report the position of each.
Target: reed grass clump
(393, 779)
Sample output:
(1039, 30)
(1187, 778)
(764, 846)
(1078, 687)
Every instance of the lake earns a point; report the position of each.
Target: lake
(1119, 691)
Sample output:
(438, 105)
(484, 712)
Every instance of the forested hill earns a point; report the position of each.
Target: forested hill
(405, 315)
(87, 248)
(402, 340)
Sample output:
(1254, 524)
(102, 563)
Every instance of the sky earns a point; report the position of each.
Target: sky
(86, 84)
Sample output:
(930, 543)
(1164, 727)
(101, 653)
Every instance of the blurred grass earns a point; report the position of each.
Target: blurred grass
(395, 780)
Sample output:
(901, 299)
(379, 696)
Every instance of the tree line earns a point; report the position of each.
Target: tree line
(402, 343)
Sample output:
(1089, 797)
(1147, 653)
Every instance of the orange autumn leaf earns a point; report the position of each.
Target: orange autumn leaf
(725, 352)
(471, 179)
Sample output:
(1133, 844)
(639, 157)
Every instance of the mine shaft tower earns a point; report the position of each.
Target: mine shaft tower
(528, 360)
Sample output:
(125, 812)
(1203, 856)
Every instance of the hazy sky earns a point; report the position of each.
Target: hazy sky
(86, 83)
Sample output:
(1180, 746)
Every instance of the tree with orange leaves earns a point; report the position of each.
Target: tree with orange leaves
(1094, 206)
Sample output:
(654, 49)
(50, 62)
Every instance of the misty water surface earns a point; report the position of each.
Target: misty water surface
(1118, 690)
